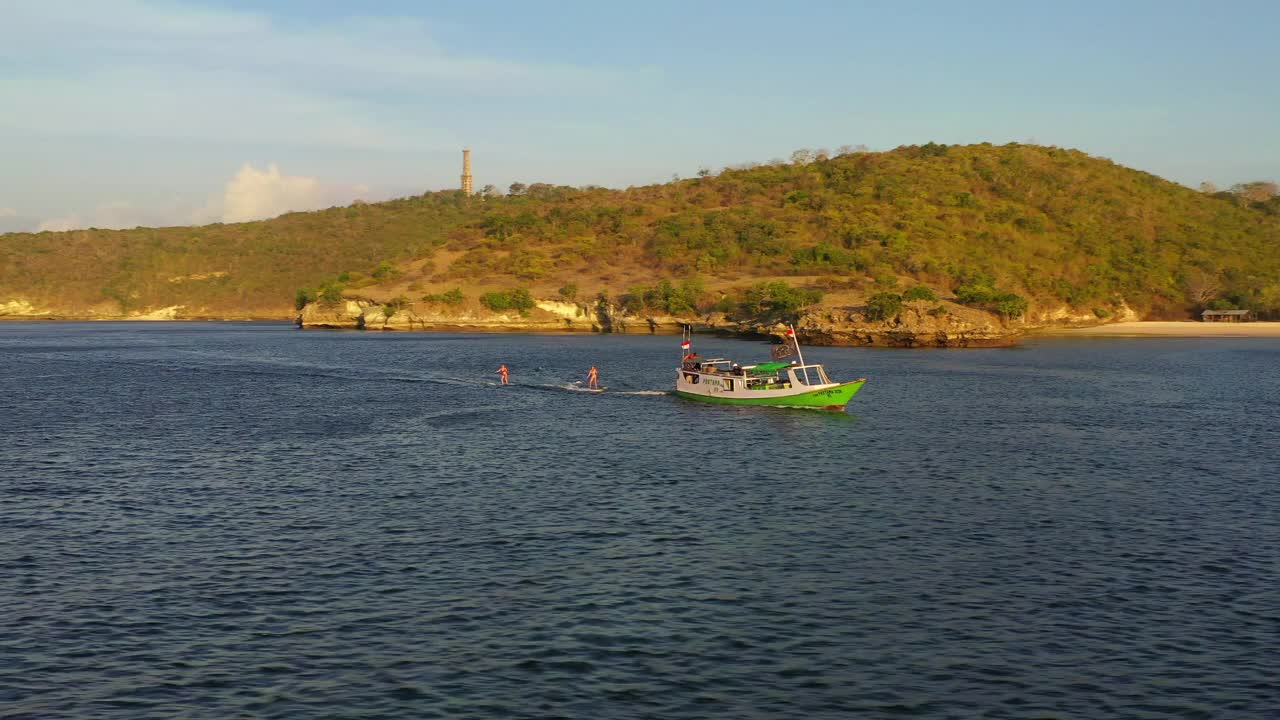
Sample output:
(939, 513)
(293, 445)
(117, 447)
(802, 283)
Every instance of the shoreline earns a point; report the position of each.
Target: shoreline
(858, 337)
(1141, 328)
(137, 319)
(1169, 328)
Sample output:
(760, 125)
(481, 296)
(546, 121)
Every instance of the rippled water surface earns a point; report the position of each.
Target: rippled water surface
(249, 521)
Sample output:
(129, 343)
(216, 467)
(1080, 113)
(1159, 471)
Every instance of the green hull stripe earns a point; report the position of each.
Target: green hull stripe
(838, 396)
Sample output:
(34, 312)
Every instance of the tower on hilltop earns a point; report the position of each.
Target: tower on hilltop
(466, 172)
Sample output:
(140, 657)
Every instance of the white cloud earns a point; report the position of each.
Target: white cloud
(250, 194)
(7, 212)
(259, 194)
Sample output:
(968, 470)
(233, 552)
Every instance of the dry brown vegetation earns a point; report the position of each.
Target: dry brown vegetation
(996, 225)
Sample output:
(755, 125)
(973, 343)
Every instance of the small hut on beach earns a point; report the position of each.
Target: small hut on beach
(1226, 316)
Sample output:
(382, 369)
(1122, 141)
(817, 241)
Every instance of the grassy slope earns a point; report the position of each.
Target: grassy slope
(1055, 225)
(249, 268)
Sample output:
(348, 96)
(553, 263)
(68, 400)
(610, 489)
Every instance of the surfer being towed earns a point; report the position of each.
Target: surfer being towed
(593, 378)
(502, 370)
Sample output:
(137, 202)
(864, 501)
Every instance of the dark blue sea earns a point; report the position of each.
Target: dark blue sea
(252, 521)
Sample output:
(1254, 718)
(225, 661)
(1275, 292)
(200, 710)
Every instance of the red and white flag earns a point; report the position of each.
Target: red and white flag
(786, 347)
(684, 345)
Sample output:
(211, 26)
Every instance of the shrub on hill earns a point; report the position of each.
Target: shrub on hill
(449, 297)
(980, 291)
(776, 298)
(499, 301)
(303, 298)
(330, 293)
(883, 306)
(919, 292)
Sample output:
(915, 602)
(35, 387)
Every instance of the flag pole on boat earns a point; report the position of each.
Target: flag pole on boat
(791, 335)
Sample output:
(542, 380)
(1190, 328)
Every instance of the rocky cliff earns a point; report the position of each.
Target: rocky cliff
(920, 324)
(916, 325)
(931, 324)
(22, 309)
(365, 314)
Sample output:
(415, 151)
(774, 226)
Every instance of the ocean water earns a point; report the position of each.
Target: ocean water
(250, 521)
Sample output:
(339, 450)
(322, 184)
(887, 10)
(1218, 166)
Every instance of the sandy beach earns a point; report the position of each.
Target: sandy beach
(1176, 329)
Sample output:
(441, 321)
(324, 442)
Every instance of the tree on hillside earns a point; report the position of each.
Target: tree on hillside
(803, 156)
(517, 188)
(302, 298)
(1202, 286)
(1257, 191)
(1208, 188)
(545, 191)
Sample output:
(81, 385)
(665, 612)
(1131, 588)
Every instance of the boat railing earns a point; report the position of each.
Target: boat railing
(807, 374)
(700, 365)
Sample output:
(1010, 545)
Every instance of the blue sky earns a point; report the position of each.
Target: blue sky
(124, 112)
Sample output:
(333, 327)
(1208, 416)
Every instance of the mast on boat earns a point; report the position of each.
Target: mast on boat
(795, 342)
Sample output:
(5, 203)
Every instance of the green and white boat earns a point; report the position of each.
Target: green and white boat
(778, 383)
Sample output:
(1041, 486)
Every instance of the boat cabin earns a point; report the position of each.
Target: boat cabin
(764, 376)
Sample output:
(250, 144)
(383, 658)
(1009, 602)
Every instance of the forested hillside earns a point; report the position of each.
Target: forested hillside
(997, 226)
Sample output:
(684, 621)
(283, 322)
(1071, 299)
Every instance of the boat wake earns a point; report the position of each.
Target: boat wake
(577, 387)
(247, 364)
(573, 388)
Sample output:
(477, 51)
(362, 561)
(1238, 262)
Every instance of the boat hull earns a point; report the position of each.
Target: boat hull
(830, 398)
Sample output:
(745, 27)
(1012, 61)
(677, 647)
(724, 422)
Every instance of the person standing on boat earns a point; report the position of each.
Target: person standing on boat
(502, 370)
(593, 378)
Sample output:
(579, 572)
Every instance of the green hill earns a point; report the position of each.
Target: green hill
(996, 226)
